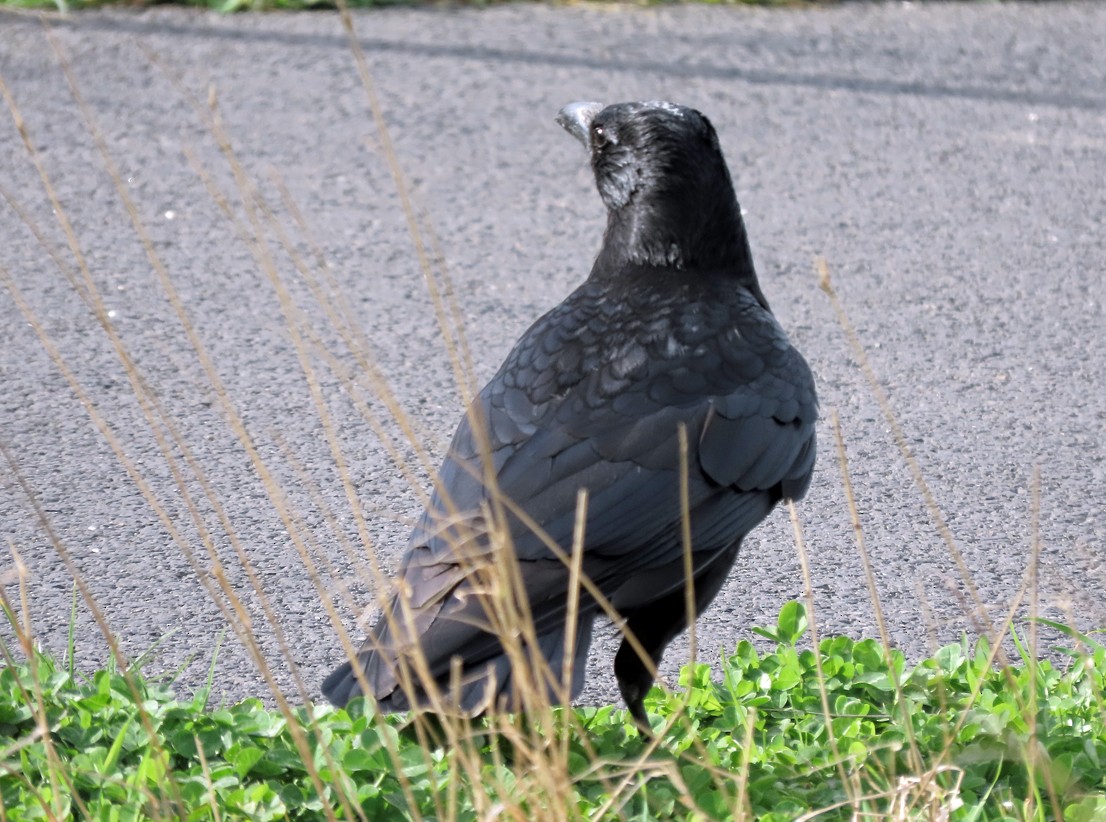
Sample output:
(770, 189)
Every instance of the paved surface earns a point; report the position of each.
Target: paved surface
(948, 161)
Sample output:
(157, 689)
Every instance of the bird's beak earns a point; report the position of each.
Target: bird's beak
(575, 118)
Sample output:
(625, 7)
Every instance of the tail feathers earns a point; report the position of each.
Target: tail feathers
(490, 682)
(341, 686)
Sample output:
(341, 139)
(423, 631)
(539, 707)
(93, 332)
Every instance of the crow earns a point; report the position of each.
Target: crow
(670, 339)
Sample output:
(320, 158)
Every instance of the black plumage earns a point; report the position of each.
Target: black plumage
(670, 329)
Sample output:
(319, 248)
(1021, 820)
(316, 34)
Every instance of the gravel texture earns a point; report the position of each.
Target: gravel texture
(947, 161)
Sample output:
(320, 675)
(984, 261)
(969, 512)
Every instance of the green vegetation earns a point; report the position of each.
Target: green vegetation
(955, 737)
(233, 6)
(224, 6)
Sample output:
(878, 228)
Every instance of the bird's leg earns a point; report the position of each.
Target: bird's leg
(634, 681)
(655, 625)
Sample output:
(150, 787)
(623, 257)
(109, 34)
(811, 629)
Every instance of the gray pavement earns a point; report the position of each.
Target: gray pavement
(947, 161)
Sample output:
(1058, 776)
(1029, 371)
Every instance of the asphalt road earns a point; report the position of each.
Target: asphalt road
(947, 161)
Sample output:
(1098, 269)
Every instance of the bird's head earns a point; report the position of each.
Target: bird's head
(661, 174)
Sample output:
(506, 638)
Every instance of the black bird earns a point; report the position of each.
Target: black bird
(670, 329)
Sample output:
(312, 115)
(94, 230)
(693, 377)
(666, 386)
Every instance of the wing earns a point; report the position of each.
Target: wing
(593, 399)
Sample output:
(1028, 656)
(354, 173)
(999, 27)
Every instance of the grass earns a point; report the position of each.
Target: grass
(949, 738)
(827, 728)
(221, 6)
(235, 6)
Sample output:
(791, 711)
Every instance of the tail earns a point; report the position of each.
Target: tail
(486, 683)
(342, 685)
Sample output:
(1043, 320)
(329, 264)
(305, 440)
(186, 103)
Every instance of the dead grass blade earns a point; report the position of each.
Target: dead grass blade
(899, 436)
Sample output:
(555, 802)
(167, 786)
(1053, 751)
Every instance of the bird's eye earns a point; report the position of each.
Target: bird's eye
(599, 136)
